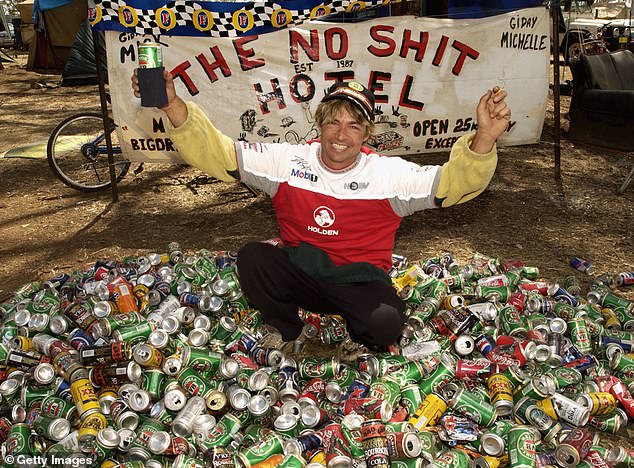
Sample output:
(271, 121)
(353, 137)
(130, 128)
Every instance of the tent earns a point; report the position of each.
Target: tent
(63, 41)
(81, 67)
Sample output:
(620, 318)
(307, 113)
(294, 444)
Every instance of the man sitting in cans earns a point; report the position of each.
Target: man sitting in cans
(337, 225)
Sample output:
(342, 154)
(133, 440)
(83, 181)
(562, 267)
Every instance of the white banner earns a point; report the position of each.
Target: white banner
(427, 75)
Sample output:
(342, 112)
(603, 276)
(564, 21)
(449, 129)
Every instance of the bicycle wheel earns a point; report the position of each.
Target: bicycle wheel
(78, 155)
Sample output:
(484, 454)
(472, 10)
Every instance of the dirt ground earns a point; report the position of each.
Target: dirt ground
(526, 213)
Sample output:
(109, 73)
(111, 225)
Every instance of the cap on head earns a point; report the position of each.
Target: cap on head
(356, 93)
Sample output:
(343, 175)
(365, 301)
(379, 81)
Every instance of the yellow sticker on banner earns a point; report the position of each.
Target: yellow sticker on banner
(128, 16)
(281, 17)
(165, 18)
(355, 6)
(203, 21)
(94, 14)
(319, 11)
(242, 20)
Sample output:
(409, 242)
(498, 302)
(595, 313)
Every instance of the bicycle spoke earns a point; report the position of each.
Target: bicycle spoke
(77, 153)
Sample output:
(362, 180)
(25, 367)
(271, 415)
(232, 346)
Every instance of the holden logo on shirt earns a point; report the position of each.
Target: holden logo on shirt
(324, 216)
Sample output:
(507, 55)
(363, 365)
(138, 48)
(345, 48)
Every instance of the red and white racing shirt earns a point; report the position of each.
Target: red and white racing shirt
(351, 214)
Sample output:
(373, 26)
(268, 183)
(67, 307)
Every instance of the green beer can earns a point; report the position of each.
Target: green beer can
(445, 372)
(493, 441)
(201, 360)
(326, 368)
(133, 334)
(512, 322)
(186, 461)
(385, 389)
(392, 427)
(521, 447)
(222, 433)
(292, 461)
(150, 55)
(18, 442)
(411, 397)
(613, 301)
(30, 394)
(534, 388)
(346, 376)
(579, 335)
(515, 375)
(59, 407)
(252, 319)
(7, 333)
(253, 433)
(158, 411)
(106, 442)
(527, 412)
(623, 364)
(610, 423)
(3, 352)
(421, 315)
(51, 427)
(493, 293)
(431, 444)
(193, 383)
(411, 372)
(153, 382)
(353, 440)
(222, 328)
(139, 449)
(470, 406)
(564, 376)
(620, 457)
(455, 458)
(270, 445)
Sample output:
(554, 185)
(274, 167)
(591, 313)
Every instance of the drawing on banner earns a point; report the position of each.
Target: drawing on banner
(390, 140)
(386, 141)
(313, 133)
(248, 121)
(287, 122)
(265, 132)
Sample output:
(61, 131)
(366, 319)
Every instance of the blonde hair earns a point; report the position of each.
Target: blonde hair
(327, 112)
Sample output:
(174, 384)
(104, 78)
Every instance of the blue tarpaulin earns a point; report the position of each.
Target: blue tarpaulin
(44, 5)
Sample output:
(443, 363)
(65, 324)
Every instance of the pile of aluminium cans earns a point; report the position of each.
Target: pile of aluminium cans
(159, 361)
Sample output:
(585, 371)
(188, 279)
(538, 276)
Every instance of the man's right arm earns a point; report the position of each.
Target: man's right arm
(176, 111)
(203, 146)
(198, 141)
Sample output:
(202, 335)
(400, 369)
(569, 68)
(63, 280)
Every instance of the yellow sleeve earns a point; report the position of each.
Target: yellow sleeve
(203, 146)
(466, 174)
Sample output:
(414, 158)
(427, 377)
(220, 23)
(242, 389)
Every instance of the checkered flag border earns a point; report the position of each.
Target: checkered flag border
(223, 22)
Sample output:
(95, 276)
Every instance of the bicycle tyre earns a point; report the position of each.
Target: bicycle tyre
(76, 153)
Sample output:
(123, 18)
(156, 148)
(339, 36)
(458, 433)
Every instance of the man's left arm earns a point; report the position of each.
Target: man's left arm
(473, 158)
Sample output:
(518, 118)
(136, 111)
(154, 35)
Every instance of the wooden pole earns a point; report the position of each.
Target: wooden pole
(104, 112)
(556, 96)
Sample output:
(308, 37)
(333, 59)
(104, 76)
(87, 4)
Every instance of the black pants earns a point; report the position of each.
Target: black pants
(277, 287)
